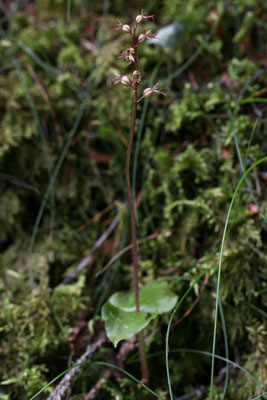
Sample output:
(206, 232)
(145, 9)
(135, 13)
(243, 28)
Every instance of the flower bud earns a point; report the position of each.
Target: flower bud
(126, 81)
(139, 19)
(141, 38)
(147, 92)
(126, 28)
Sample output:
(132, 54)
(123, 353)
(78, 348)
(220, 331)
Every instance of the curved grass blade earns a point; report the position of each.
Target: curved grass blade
(226, 349)
(96, 363)
(56, 378)
(263, 159)
(206, 353)
(129, 375)
(260, 395)
(197, 279)
(68, 10)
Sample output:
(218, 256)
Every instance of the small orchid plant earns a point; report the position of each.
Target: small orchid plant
(127, 314)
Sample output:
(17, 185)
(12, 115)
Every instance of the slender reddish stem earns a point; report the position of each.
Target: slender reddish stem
(128, 183)
(142, 354)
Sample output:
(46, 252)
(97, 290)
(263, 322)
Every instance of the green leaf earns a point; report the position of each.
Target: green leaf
(122, 325)
(120, 316)
(154, 297)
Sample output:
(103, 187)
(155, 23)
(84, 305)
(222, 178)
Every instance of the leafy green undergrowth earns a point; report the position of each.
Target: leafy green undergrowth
(55, 85)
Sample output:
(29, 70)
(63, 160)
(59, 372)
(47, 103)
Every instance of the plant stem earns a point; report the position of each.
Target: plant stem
(142, 357)
(142, 353)
(131, 206)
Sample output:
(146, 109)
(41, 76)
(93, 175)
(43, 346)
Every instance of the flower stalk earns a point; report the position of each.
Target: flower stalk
(131, 56)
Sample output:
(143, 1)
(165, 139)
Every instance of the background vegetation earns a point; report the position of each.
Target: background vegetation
(64, 129)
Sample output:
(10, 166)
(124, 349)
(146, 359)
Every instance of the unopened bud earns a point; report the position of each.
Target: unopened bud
(126, 81)
(139, 19)
(126, 28)
(147, 92)
(141, 37)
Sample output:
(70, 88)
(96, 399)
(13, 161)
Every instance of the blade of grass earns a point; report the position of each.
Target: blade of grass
(68, 10)
(196, 280)
(85, 363)
(254, 100)
(263, 159)
(56, 378)
(260, 395)
(225, 337)
(208, 354)
(129, 375)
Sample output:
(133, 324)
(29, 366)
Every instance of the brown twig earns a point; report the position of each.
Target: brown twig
(65, 383)
(97, 216)
(123, 251)
(88, 259)
(127, 347)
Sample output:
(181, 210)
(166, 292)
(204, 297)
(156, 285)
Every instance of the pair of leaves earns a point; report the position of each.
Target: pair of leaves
(120, 316)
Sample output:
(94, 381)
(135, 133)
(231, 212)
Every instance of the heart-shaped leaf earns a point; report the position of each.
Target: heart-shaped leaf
(120, 316)
(122, 325)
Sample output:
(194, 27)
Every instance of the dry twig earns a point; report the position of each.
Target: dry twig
(88, 259)
(65, 383)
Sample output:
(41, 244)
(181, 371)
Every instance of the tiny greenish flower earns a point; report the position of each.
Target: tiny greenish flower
(137, 76)
(128, 54)
(124, 27)
(124, 80)
(143, 36)
(149, 91)
(131, 58)
(142, 16)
